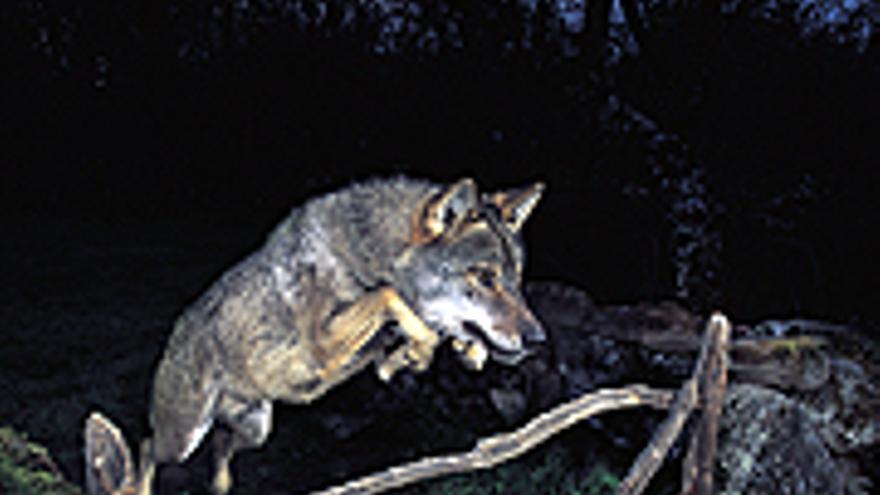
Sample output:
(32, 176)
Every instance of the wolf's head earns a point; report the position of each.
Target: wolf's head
(464, 271)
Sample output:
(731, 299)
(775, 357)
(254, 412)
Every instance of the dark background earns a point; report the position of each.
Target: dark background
(724, 158)
(231, 113)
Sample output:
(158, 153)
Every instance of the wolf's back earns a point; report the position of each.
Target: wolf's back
(324, 254)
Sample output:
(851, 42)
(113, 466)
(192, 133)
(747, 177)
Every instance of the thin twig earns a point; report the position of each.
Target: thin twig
(649, 460)
(713, 386)
(499, 448)
(689, 470)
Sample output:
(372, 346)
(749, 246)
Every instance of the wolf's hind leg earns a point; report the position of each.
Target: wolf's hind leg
(158, 450)
(147, 468)
(249, 424)
(180, 423)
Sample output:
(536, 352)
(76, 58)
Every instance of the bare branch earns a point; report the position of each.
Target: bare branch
(700, 465)
(708, 382)
(499, 448)
(649, 460)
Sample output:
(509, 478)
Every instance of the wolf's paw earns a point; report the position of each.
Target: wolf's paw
(419, 357)
(472, 353)
(387, 368)
(414, 356)
(222, 482)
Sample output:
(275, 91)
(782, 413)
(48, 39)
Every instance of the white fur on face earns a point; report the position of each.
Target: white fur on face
(452, 311)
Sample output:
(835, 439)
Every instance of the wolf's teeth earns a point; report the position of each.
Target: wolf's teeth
(459, 345)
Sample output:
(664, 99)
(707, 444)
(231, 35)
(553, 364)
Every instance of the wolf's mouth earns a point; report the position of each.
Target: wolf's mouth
(503, 354)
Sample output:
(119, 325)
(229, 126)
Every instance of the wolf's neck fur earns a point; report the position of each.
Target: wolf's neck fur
(368, 225)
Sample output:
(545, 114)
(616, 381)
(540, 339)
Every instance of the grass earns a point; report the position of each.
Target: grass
(27, 469)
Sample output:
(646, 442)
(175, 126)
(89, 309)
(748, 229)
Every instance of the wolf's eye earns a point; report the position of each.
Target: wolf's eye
(485, 276)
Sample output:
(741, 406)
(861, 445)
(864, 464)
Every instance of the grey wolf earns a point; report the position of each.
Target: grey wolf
(377, 274)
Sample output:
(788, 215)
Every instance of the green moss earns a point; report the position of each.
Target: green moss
(600, 481)
(27, 469)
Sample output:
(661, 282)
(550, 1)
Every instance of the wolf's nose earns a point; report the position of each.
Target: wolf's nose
(534, 334)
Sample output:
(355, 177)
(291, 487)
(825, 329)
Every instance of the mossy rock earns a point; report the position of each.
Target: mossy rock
(27, 468)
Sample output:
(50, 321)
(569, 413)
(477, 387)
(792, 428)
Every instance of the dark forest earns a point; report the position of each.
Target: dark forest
(718, 155)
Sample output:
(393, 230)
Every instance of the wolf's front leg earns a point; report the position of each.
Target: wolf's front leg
(350, 331)
(418, 351)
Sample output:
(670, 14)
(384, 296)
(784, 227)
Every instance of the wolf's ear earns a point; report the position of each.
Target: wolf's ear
(517, 204)
(447, 208)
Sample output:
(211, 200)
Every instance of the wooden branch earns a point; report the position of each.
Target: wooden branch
(708, 382)
(713, 387)
(699, 466)
(689, 469)
(649, 460)
(499, 448)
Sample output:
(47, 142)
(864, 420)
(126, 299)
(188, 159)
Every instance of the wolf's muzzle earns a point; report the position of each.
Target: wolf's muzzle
(531, 329)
